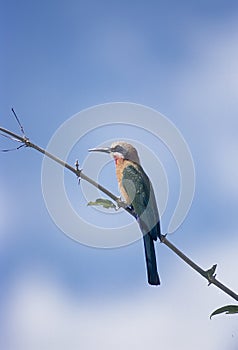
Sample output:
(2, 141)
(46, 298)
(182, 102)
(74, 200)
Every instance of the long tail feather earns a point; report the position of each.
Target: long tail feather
(152, 273)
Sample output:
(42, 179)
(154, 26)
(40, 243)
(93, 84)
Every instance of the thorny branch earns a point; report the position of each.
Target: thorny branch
(209, 274)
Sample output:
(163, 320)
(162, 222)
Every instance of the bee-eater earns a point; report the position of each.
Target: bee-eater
(137, 191)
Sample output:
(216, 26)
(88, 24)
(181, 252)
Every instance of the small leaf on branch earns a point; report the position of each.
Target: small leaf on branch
(228, 309)
(105, 203)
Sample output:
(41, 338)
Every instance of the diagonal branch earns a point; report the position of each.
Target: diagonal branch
(79, 173)
(209, 274)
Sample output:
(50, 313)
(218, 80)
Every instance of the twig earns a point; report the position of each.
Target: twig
(26, 142)
(18, 121)
(208, 274)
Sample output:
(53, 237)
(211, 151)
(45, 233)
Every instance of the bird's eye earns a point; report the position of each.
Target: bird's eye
(118, 149)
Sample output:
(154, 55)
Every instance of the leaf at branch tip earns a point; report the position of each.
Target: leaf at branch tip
(105, 203)
(228, 309)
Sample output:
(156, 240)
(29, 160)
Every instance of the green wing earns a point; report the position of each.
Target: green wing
(139, 189)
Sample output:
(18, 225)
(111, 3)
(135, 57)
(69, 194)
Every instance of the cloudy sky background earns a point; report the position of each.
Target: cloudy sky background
(59, 58)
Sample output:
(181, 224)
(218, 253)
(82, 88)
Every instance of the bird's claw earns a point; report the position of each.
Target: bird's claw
(121, 203)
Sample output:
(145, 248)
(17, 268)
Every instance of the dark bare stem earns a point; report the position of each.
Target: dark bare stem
(79, 173)
(207, 274)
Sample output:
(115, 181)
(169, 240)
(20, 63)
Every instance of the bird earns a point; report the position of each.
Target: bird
(138, 194)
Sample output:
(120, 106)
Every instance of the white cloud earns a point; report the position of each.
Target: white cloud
(42, 316)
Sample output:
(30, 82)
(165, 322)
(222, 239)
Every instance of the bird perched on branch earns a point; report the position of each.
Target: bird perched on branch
(138, 193)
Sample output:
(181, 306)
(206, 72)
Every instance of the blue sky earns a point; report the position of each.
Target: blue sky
(59, 58)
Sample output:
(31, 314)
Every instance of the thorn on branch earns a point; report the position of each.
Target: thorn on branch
(76, 164)
(210, 273)
(77, 170)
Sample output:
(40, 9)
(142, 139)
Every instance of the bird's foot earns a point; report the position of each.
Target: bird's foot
(121, 203)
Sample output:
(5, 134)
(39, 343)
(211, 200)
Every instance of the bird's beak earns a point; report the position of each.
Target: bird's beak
(105, 150)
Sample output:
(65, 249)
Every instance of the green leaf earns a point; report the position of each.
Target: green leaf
(105, 203)
(228, 309)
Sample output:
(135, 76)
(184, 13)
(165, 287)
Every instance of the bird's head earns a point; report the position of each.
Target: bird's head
(120, 150)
